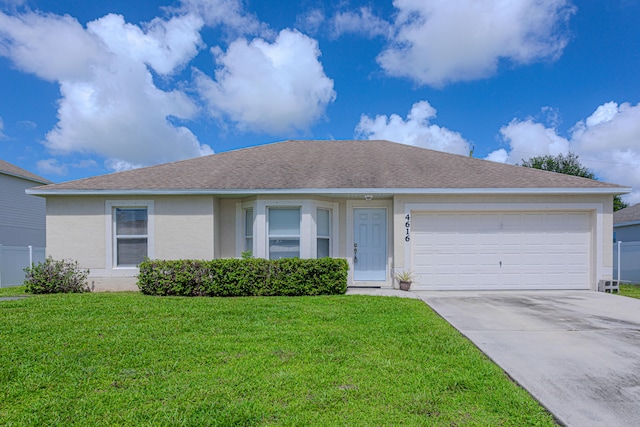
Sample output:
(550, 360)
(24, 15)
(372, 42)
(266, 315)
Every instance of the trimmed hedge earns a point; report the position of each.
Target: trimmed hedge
(244, 277)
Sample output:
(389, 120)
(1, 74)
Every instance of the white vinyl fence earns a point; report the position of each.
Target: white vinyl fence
(626, 262)
(13, 261)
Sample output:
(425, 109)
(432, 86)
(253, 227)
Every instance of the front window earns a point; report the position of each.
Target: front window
(130, 235)
(323, 233)
(284, 233)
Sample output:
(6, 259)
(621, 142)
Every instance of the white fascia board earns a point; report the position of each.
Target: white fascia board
(372, 191)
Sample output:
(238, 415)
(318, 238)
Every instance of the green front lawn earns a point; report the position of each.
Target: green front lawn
(12, 291)
(130, 359)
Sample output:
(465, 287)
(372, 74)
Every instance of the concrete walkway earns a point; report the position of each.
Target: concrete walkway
(577, 352)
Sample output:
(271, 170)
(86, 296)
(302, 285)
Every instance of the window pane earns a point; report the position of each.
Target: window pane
(284, 248)
(323, 222)
(248, 222)
(248, 244)
(131, 252)
(131, 221)
(284, 222)
(323, 248)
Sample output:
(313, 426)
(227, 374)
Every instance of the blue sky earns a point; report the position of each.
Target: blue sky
(88, 88)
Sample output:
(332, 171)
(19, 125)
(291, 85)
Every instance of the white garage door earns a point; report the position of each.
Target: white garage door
(514, 250)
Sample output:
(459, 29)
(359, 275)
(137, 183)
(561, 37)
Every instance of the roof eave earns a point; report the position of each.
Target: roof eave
(27, 178)
(626, 223)
(373, 191)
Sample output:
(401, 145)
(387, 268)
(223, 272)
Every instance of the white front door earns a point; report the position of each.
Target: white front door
(369, 244)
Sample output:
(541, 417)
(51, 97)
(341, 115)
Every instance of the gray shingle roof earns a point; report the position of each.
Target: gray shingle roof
(630, 214)
(298, 165)
(9, 169)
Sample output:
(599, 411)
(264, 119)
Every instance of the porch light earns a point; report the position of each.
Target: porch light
(368, 197)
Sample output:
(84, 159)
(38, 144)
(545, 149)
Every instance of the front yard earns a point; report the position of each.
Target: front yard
(129, 359)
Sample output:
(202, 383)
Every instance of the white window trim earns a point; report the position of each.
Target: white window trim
(240, 227)
(245, 212)
(110, 205)
(308, 225)
(261, 241)
(334, 235)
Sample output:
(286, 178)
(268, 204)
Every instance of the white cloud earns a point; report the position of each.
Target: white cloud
(415, 130)
(528, 139)
(607, 142)
(603, 114)
(51, 167)
(500, 156)
(27, 124)
(121, 115)
(50, 46)
(109, 103)
(441, 41)
(268, 87)
(54, 167)
(229, 13)
(163, 45)
(361, 22)
(310, 21)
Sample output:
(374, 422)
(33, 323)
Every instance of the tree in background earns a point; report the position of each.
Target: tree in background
(568, 165)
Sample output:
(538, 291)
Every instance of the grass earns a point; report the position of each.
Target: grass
(632, 291)
(129, 359)
(12, 291)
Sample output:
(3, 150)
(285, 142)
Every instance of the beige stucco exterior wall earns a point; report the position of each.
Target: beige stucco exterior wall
(184, 227)
(342, 210)
(76, 230)
(227, 230)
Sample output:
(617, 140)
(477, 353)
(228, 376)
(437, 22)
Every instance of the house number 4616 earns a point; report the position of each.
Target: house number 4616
(407, 227)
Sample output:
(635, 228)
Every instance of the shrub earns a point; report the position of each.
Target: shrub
(244, 277)
(53, 276)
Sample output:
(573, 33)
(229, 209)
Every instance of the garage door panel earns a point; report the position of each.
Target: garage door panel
(528, 250)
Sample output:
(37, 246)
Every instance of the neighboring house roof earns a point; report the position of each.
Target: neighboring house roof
(330, 167)
(627, 216)
(13, 170)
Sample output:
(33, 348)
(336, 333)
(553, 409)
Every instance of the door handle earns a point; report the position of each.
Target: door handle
(355, 253)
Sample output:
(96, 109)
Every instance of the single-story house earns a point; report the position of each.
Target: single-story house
(456, 222)
(626, 224)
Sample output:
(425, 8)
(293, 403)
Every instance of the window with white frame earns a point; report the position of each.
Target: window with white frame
(130, 227)
(286, 228)
(284, 232)
(248, 230)
(323, 225)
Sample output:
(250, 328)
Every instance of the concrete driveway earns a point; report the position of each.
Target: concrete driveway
(577, 352)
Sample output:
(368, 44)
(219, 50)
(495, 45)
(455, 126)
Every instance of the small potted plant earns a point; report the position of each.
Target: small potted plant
(405, 278)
